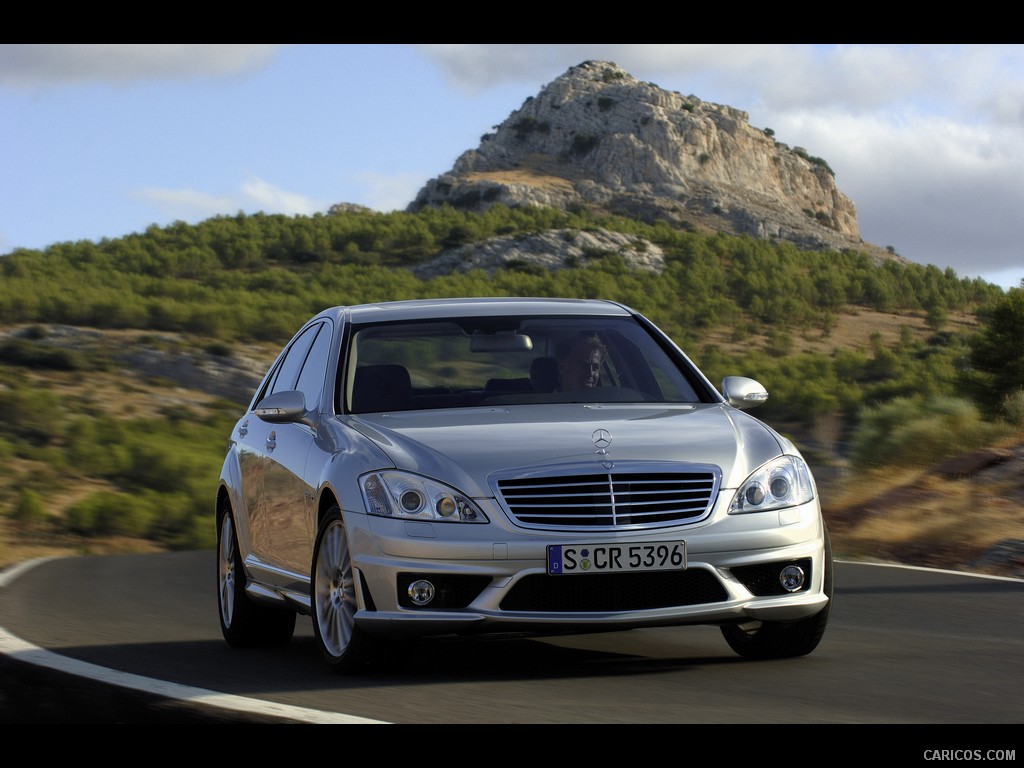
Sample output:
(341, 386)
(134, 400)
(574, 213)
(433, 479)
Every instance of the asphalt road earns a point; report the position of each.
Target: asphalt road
(903, 646)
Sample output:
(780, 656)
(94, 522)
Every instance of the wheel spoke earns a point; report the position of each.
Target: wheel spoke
(227, 570)
(335, 590)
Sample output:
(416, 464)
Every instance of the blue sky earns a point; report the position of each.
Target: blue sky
(104, 140)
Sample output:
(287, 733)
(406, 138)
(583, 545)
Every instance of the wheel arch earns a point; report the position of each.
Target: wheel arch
(326, 502)
(223, 503)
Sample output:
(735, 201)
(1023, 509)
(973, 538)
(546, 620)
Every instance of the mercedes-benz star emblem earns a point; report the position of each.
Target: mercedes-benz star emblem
(602, 438)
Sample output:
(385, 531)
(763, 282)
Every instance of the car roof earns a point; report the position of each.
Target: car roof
(426, 309)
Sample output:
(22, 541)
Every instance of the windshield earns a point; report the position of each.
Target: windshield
(466, 362)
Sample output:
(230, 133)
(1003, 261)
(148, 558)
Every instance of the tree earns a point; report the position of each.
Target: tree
(997, 353)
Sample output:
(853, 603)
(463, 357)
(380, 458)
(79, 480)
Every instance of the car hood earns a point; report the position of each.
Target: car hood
(462, 447)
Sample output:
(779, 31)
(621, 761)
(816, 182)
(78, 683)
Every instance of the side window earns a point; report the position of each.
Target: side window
(288, 372)
(311, 379)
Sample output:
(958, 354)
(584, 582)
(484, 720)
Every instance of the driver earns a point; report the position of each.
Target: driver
(579, 365)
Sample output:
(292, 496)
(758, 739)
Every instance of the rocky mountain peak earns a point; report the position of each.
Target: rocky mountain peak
(597, 137)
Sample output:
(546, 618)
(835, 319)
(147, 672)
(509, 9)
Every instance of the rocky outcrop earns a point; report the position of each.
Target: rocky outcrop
(597, 137)
(151, 357)
(555, 249)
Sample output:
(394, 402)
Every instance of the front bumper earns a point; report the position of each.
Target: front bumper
(483, 585)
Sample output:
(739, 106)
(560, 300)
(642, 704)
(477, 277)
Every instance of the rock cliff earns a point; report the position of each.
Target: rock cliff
(597, 137)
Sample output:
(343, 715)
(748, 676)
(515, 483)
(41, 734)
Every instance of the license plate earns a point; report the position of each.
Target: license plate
(566, 559)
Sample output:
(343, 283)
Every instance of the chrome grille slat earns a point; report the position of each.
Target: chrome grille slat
(625, 497)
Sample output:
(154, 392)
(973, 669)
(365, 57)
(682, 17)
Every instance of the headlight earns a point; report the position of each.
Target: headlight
(783, 482)
(412, 497)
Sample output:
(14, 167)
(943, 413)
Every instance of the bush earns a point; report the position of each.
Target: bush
(914, 432)
(29, 507)
(109, 514)
(182, 520)
(1013, 408)
(583, 144)
(25, 353)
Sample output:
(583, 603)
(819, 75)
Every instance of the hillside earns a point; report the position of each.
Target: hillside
(597, 138)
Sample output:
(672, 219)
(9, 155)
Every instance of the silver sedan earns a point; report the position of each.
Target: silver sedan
(465, 466)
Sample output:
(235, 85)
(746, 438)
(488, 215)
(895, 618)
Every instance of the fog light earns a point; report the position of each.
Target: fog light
(791, 578)
(421, 591)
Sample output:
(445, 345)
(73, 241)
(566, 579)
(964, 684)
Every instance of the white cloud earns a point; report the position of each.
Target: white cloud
(38, 65)
(940, 191)
(776, 76)
(390, 192)
(1006, 278)
(253, 195)
(186, 204)
(265, 197)
(475, 66)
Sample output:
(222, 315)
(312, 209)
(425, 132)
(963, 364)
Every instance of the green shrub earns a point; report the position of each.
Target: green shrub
(25, 353)
(916, 432)
(184, 520)
(527, 125)
(583, 144)
(1013, 408)
(106, 513)
(29, 507)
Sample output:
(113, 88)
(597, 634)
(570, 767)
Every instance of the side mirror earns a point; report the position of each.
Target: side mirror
(741, 392)
(283, 408)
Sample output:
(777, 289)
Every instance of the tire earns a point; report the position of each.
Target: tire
(333, 598)
(243, 622)
(780, 640)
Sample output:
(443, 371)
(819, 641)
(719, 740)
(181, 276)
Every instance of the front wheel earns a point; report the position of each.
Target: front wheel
(779, 640)
(243, 622)
(333, 595)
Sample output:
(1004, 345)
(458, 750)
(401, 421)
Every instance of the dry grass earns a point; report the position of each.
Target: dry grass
(525, 176)
(921, 517)
(852, 330)
(20, 542)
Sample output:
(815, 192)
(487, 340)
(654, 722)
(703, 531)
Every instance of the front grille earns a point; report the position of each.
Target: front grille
(613, 591)
(616, 499)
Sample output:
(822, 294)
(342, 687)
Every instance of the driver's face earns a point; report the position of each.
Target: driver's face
(582, 370)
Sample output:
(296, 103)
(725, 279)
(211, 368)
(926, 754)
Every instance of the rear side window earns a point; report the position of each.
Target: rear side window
(303, 365)
(311, 377)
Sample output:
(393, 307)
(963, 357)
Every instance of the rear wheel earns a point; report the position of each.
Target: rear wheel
(243, 622)
(779, 640)
(333, 595)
